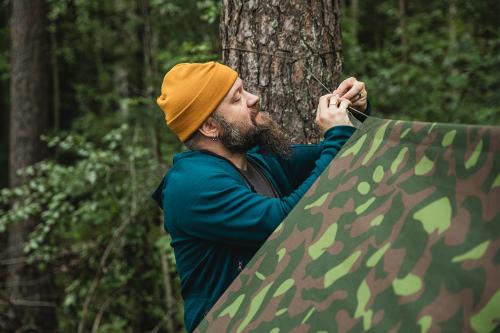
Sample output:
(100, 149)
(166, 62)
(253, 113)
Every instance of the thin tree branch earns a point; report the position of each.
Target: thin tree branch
(116, 235)
(104, 307)
(158, 326)
(102, 263)
(27, 302)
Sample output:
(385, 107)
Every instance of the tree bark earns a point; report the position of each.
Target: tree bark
(29, 118)
(275, 46)
(56, 95)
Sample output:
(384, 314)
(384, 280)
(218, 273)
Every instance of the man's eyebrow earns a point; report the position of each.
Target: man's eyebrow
(238, 87)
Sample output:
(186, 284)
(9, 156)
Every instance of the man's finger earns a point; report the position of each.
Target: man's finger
(324, 101)
(344, 103)
(345, 86)
(334, 100)
(355, 89)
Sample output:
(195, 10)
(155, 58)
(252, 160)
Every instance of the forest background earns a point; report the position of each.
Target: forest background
(100, 260)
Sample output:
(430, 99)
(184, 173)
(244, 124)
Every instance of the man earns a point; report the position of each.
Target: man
(241, 177)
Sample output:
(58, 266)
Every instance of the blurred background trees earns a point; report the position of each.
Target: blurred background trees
(432, 61)
(93, 253)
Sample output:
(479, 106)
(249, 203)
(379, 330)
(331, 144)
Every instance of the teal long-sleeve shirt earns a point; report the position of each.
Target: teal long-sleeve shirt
(217, 223)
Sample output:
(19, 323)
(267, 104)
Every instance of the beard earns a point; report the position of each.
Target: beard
(239, 137)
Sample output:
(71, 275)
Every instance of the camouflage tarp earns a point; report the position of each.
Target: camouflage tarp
(400, 234)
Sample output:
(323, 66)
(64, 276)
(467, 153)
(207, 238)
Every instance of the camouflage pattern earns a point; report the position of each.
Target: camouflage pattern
(400, 234)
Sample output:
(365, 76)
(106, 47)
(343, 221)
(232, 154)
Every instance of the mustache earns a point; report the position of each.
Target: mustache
(255, 109)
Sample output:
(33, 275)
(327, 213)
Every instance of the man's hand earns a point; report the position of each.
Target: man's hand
(331, 114)
(354, 91)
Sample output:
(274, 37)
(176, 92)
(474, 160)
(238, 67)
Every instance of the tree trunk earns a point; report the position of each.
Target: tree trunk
(149, 43)
(56, 95)
(149, 47)
(275, 46)
(29, 118)
(354, 17)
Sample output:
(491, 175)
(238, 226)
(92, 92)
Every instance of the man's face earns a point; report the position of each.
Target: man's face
(239, 106)
(242, 125)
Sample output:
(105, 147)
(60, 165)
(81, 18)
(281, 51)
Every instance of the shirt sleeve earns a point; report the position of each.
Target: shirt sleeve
(220, 207)
(299, 165)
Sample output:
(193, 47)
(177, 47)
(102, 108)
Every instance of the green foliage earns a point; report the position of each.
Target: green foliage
(210, 9)
(92, 196)
(433, 67)
(111, 50)
(98, 230)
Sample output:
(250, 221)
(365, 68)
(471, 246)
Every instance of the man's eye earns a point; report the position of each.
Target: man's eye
(236, 100)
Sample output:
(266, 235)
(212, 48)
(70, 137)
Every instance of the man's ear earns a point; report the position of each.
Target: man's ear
(209, 129)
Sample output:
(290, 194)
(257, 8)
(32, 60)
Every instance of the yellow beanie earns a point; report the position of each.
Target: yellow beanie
(191, 92)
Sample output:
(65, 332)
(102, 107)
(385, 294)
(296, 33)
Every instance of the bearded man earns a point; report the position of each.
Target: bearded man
(240, 177)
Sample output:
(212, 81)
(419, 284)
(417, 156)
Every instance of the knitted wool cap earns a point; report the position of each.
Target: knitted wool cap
(191, 92)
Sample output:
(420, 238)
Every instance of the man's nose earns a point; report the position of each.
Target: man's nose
(252, 99)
